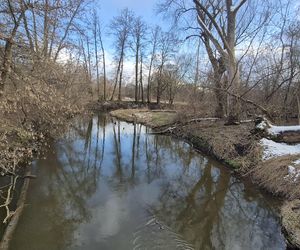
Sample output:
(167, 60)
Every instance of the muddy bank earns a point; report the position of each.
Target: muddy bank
(236, 146)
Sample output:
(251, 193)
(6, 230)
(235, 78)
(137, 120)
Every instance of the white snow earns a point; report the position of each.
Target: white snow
(293, 172)
(275, 130)
(263, 125)
(296, 162)
(274, 149)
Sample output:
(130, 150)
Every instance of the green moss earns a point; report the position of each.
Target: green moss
(233, 164)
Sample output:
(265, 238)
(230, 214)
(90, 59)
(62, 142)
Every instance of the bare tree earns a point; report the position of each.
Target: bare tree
(224, 40)
(103, 61)
(222, 25)
(167, 46)
(121, 28)
(95, 34)
(141, 85)
(154, 42)
(175, 76)
(16, 12)
(139, 32)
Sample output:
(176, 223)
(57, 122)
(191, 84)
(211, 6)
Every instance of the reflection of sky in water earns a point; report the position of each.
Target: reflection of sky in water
(102, 198)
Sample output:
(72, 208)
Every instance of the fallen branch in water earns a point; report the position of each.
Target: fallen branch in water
(15, 215)
(174, 125)
(161, 110)
(169, 129)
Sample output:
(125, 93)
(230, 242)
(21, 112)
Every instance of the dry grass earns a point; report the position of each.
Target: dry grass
(144, 116)
(290, 213)
(273, 175)
(234, 145)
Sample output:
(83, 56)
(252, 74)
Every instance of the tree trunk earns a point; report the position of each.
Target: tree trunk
(46, 30)
(298, 104)
(221, 99)
(232, 68)
(6, 64)
(141, 78)
(158, 92)
(96, 57)
(120, 82)
(136, 96)
(7, 59)
(104, 66)
(234, 100)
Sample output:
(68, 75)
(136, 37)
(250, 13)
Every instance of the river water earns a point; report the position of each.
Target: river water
(113, 185)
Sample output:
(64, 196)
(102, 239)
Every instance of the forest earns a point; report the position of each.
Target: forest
(212, 71)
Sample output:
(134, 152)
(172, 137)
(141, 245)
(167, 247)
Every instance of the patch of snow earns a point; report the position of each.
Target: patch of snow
(293, 173)
(292, 170)
(297, 162)
(275, 130)
(274, 149)
(263, 125)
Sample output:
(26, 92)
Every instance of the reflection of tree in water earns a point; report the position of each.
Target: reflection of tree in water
(68, 179)
(195, 198)
(204, 212)
(117, 148)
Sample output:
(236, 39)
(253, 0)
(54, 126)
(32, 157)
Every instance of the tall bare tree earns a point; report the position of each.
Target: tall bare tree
(120, 28)
(153, 41)
(222, 25)
(139, 32)
(167, 46)
(16, 12)
(103, 61)
(95, 35)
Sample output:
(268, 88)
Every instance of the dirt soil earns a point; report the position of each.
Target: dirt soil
(238, 147)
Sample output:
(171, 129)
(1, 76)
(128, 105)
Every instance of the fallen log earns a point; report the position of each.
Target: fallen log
(168, 128)
(287, 134)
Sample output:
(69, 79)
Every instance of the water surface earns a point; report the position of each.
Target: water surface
(112, 185)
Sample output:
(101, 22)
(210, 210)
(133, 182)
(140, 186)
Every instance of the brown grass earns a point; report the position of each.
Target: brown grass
(235, 145)
(144, 116)
(272, 175)
(290, 213)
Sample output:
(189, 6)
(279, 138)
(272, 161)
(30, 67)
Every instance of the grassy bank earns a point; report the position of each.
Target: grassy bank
(236, 146)
(232, 146)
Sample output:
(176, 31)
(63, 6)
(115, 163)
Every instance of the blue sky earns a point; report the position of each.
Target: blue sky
(108, 9)
(144, 8)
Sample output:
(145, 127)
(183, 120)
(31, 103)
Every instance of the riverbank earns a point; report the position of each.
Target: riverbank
(104, 171)
(239, 147)
(23, 137)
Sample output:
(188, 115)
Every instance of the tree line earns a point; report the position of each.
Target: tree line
(230, 58)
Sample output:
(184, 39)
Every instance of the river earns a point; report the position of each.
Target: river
(113, 185)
